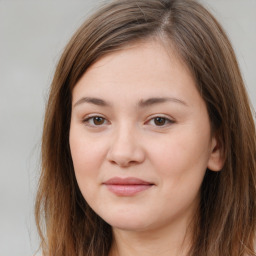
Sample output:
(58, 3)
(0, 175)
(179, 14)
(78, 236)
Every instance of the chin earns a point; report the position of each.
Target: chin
(128, 222)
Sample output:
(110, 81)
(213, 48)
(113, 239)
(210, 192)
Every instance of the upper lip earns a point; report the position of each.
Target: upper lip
(126, 181)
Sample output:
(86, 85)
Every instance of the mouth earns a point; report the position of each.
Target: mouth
(127, 186)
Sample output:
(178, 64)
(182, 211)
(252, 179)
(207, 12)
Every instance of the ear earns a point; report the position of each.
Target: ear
(216, 159)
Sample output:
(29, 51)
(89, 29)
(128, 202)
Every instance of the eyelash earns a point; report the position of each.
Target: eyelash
(167, 121)
(93, 118)
(88, 120)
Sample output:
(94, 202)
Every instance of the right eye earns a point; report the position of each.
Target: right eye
(95, 121)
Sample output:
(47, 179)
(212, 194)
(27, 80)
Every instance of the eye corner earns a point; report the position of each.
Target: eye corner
(95, 121)
(160, 121)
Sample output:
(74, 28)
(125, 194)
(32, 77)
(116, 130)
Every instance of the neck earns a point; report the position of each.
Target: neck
(164, 242)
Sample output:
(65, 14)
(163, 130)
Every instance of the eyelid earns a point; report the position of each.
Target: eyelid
(169, 119)
(89, 117)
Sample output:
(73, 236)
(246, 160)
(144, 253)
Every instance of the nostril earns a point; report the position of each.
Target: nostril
(125, 151)
(124, 163)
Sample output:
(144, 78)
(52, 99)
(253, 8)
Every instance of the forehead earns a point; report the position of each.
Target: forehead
(141, 69)
(158, 51)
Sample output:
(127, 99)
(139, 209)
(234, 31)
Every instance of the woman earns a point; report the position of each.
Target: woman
(149, 142)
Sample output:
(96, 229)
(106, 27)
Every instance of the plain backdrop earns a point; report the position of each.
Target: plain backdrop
(32, 37)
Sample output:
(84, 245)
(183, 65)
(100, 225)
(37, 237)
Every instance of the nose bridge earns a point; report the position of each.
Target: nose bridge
(125, 133)
(125, 148)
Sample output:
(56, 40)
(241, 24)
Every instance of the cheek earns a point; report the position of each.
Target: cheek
(182, 157)
(82, 157)
(87, 156)
(181, 167)
(86, 165)
(84, 149)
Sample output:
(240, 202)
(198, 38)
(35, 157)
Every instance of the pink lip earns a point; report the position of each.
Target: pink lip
(127, 186)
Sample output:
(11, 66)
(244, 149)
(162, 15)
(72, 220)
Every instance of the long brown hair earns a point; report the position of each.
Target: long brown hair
(227, 212)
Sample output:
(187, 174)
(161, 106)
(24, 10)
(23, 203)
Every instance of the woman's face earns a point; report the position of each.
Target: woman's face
(140, 138)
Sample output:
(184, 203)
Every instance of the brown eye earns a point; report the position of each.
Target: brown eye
(159, 121)
(94, 121)
(97, 120)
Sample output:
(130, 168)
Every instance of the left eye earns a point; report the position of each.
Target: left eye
(95, 121)
(160, 121)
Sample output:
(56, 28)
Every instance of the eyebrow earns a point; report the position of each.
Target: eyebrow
(95, 101)
(157, 100)
(142, 103)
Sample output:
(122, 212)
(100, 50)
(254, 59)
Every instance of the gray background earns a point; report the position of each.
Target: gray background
(32, 36)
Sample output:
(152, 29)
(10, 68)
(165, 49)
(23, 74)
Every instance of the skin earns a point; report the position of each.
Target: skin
(115, 133)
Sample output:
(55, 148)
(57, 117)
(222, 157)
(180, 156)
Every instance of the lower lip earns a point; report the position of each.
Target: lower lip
(127, 190)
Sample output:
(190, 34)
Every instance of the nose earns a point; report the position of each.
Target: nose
(125, 148)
